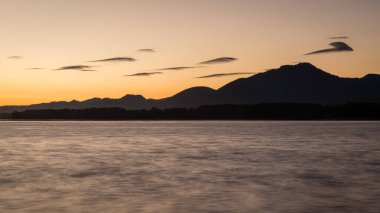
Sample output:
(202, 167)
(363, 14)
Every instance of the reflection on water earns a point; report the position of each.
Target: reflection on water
(198, 166)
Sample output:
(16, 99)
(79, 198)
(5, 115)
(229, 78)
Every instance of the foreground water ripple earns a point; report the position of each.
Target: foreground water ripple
(189, 166)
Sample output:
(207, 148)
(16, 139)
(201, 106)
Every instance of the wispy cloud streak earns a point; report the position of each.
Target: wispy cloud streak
(226, 74)
(88, 70)
(146, 74)
(76, 67)
(219, 60)
(337, 47)
(17, 57)
(116, 59)
(35, 68)
(146, 50)
(339, 37)
(181, 68)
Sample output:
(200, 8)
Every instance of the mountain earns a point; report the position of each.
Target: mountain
(191, 97)
(301, 83)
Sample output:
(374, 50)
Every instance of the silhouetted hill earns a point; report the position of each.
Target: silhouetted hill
(191, 97)
(5, 115)
(301, 83)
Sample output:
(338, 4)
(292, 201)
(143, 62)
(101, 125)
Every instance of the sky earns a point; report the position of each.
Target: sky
(260, 34)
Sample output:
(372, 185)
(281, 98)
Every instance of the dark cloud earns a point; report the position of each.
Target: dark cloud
(219, 60)
(15, 57)
(88, 70)
(117, 59)
(144, 74)
(337, 47)
(181, 68)
(339, 37)
(146, 50)
(226, 74)
(35, 68)
(76, 67)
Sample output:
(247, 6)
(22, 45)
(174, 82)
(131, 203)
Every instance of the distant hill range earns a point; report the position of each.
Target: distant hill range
(301, 83)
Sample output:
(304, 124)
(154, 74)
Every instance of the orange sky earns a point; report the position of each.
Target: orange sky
(262, 34)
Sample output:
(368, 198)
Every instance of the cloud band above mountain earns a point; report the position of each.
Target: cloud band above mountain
(116, 59)
(35, 68)
(339, 37)
(337, 47)
(141, 74)
(181, 68)
(225, 74)
(17, 57)
(219, 60)
(76, 67)
(146, 50)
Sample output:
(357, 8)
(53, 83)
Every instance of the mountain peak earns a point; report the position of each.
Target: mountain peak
(198, 89)
(305, 65)
(301, 70)
(131, 97)
(302, 65)
(372, 76)
(194, 93)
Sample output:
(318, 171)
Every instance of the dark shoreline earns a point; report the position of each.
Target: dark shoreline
(264, 112)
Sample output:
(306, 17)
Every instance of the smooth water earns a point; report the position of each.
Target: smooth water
(189, 166)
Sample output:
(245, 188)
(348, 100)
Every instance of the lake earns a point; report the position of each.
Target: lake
(189, 166)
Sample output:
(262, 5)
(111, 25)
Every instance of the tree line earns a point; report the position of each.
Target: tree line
(269, 111)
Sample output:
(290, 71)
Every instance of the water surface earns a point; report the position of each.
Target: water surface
(189, 166)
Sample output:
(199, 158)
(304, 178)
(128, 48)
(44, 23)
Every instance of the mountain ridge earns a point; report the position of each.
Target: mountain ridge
(300, 83)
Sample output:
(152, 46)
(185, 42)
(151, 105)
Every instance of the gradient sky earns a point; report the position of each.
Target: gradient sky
(262, 34)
